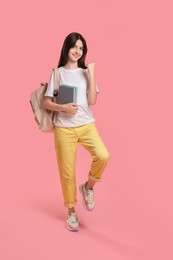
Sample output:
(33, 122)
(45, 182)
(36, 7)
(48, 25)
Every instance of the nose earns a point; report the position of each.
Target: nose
(77, 51)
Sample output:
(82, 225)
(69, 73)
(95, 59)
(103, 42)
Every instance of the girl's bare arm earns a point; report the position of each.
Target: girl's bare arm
(92, 91)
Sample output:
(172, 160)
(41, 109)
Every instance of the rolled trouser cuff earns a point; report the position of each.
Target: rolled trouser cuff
(70, 205)
(93, 178)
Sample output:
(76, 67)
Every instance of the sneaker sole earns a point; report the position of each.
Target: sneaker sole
(72, 229)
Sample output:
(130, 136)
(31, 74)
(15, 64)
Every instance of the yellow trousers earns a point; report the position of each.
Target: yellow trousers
(66, 140)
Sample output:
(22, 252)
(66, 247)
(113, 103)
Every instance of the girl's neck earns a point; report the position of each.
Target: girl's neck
(71, 65)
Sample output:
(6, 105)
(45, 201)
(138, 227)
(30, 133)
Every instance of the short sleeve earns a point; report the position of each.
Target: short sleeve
(50, 88)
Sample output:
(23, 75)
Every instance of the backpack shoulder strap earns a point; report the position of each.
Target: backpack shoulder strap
(56, 78)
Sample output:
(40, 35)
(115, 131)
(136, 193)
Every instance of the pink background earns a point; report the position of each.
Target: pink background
(131, 43)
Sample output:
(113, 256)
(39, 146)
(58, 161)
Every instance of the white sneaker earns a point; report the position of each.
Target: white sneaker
(72, 222)
(87, 197)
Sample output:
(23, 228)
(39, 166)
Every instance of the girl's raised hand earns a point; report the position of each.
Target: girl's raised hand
(91, 67)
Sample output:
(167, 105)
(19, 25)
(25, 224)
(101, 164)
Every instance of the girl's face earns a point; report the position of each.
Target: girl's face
(76, 52)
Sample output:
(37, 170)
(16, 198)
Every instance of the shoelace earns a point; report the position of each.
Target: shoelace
(73, 218)
(90, 196)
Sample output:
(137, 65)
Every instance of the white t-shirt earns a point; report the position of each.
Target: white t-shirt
(75, 77)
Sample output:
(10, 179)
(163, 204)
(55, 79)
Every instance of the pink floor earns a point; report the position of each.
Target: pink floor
(132, 218)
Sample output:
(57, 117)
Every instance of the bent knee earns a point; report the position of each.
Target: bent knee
(104, 156)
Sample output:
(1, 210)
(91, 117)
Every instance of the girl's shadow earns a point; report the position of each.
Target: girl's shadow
(52, 209)
(49, 208)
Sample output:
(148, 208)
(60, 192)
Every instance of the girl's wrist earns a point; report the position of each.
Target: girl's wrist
(60, 107)
(91, 74)
(63, 108)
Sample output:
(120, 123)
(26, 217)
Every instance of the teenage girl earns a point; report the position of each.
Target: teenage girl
(76, 125)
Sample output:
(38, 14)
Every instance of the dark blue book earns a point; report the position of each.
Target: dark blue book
(67, 94)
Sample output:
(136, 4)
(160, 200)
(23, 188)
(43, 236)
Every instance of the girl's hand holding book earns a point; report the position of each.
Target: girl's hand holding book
(70, 108)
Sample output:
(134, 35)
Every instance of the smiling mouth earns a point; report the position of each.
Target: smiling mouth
(76, 56)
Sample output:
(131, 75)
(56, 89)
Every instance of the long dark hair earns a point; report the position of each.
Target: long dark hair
(69, 43)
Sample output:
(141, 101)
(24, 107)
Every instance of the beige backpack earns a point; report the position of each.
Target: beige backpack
(44, 118)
